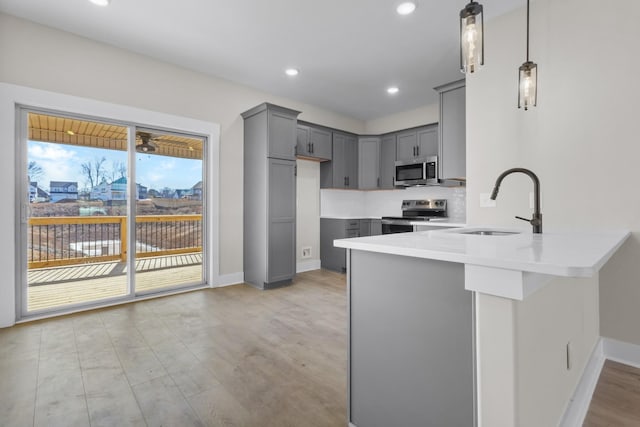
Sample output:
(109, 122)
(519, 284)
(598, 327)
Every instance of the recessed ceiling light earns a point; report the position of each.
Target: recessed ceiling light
(292, 72)
(392, 90)
(100, 2)
(70, 132)
(406, 8)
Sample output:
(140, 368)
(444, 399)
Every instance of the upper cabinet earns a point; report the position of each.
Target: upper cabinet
(388, 161)
(342, 171)
(369, 163)
(314, 143)
(417, 143)
(452, 138)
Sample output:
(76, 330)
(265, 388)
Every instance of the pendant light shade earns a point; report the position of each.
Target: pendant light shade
(528, 85)
(528, 78)
(471, 37)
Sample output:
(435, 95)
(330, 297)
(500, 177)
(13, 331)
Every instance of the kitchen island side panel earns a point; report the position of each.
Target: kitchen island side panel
(411, 355)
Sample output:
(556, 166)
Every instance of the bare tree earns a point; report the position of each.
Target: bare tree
(34, 171)
(94, 171)
(118, 170)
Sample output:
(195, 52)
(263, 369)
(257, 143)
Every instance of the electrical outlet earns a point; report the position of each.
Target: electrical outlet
(486, 202)
(306, 252)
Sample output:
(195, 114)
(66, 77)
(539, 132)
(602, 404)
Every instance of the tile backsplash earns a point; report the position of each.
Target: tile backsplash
(352, 203)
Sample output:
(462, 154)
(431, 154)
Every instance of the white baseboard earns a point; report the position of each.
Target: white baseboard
(606, 349)
(312, 264)
(622, 352)
(229, 279)
(578, 406)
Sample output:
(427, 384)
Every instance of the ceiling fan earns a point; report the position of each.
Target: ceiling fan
(146, 146)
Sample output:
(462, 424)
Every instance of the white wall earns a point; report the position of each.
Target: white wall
(581, 139)
(308, 214)
(44, 58)
(405, 120)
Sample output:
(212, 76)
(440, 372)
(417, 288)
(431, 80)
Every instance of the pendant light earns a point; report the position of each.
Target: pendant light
(528, 78)
(471, 37)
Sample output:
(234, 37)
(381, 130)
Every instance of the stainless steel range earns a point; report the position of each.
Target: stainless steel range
(415, 211)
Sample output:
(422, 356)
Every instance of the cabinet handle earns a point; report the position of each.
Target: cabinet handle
(312, 147)
(347, 181)
(418, 149)
(344, 181)
(378, 185)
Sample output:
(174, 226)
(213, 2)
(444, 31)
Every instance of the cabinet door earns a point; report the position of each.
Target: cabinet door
(339, 161)
(351, 162)
(302, 143)
(453, 134)
(365, 227)
(320, 142)
(282, 220)
(406, 146)
(282, 136)
(387, 161)
(369, 163)
(376, 227)
(428, 142)
(332, 258)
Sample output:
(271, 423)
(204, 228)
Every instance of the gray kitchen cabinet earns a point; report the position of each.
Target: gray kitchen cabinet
(332, 258)
(365, 227)
(369, 163)
(452, 132)
(387, 161)
(314, 142)
(411, 337)
(281, 125)
(269, 195)
(342, 170)
(376, 227)
(417, 143)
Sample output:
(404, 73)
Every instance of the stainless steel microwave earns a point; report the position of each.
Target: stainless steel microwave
(417, 172)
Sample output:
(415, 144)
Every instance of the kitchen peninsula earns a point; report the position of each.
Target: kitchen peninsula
(423, 350)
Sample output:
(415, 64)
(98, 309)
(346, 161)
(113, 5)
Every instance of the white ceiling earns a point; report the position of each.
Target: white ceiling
(348, 51)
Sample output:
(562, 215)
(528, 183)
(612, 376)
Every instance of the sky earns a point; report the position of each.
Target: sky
(61, 162)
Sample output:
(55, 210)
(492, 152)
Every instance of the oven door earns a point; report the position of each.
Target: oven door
(392, 227)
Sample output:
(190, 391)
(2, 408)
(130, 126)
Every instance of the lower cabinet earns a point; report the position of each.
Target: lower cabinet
(332, 258)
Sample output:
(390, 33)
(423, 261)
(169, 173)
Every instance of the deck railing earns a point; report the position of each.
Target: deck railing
(57, 241)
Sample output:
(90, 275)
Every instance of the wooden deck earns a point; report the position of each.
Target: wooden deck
(60, 286)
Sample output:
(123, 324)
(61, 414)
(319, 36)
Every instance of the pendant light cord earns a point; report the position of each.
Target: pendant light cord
(527, 30)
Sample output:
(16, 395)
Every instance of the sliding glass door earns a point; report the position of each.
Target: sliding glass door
(108, 211)
(169, 208)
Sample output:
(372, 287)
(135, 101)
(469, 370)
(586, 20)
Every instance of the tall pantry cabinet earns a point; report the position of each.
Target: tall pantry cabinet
(269, 195)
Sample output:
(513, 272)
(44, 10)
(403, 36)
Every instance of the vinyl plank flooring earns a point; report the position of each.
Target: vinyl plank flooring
(616, 400)
(232, 356)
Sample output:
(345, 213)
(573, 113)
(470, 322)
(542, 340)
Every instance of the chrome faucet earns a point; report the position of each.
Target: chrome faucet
(536, 221)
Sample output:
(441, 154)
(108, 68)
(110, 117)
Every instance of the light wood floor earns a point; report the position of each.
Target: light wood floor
(616, 400)
(232, 356)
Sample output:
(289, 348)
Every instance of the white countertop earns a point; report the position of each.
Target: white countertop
(348, 217)
(569, 254)
(449, 222)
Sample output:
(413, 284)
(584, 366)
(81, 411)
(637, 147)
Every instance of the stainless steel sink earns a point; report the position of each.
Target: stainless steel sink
(490, 232)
